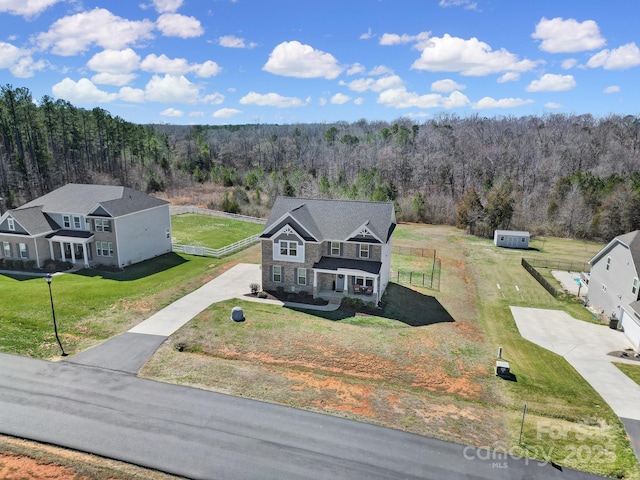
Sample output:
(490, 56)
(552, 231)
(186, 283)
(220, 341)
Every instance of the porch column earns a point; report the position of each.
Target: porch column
(346, 284)
(84, 255)
(73, 252)
(62, 250)
(315, 279)
(375, 284)
(53, 257)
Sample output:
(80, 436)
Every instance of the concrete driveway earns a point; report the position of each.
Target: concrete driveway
(586, 346)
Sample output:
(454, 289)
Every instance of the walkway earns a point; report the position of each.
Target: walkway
(586, 346)
(129, 351)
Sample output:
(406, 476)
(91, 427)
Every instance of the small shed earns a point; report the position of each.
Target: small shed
(511, 239)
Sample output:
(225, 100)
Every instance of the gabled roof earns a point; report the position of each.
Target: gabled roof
(84, 199)
(630, 240)
(335, 220)
(33, 220)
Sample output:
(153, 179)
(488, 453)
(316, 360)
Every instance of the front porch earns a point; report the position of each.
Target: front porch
(71, 246)
(335, 278)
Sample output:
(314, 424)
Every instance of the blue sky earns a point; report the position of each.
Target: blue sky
(291, 61)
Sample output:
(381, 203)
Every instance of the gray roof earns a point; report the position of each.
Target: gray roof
(334, 263)
(334, 219)
(631, 240)
(33, 220)
(84, 199)
(518, 233)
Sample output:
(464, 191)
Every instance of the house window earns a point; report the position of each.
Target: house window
(66, 221)
(24, 252)
(104, 249)
(288, 248)
(604, 288)
(634, 287)
(277, 273)
(11, 224)
(502, 239)
(608, 263)
(364, 250)
(335, 249)
(302, 276)
(523, 239)
(76, 222)
(6, 248)
(102, 225)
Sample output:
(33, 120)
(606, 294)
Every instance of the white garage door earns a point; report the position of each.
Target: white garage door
(631, 326)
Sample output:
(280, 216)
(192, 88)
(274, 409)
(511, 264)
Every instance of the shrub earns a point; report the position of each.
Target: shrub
(371, 305)
(262, 295)
(255, 288)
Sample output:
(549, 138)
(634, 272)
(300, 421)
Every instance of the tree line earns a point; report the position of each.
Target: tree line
(556, 174)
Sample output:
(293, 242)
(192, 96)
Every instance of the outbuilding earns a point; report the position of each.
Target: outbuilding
(511, 239)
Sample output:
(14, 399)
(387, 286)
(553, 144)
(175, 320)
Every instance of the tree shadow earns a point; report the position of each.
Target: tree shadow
(137, 270)
(400, 304)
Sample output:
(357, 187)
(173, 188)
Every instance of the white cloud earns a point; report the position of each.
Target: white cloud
(395, 39)
(165, 6)
(367, 35)
(171, 89)
(553, 105)
(569, 63)
(380, 70)
(489, 102)
(355, 69)
(83, 91)
(621, 58)
(322, 101)
(231, 41)
(446, 86)
(116, 79)
(133, 95)
(114, 61)
(340, 99)
(19, 61)
(177, 25)
(293, 59)
(359, 101)
(226, 112)
(26, 8)
(552, 83)
(567, 36)
(196, 114)
(272, 100)
(400, 98)
(214, 98)
(76, 33)
(467, 4)
(612, 89)
(206, 69)
(375, 84)
(469, 57)
(172, 112)
(509, 77)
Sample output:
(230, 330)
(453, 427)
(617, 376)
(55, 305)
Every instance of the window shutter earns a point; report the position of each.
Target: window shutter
(329, 248)
(295, 274)
(341, 249)
(271, 273)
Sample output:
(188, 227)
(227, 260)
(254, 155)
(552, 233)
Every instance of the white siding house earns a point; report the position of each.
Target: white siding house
(511, 239)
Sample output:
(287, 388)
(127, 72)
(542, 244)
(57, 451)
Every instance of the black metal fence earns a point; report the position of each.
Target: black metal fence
(538, 276)
(428, 279)
(559, 264)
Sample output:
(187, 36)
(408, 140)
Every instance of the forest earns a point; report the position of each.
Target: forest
(556, 174)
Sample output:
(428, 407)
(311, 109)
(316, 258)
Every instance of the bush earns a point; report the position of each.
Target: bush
(262, 295)
(371, 305)
(255, 288)
(353, 303)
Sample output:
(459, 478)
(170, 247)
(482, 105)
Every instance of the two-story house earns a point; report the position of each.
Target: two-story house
(87, 225)
(328, 247)
(613, 285)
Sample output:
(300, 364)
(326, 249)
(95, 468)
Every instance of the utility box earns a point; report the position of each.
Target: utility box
(502, 368)
(237, 314)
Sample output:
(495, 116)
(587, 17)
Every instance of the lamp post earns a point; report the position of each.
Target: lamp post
(53, 312)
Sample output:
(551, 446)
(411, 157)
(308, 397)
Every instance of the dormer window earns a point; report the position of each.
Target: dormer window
(11, 224)
(77, 224)
(66, 221)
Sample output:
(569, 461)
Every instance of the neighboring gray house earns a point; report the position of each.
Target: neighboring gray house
(511, 239)
(87, 225)
(328, 247)
(613, 283)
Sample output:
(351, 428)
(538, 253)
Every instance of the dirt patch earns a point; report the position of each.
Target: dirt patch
(14, 467)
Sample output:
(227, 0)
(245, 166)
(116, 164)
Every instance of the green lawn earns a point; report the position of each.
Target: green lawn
(209, 231)
(631, 371)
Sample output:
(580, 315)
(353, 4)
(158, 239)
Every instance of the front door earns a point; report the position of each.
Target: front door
(339, 283)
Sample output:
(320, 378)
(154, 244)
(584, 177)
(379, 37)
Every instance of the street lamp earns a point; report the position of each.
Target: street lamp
(53, 312)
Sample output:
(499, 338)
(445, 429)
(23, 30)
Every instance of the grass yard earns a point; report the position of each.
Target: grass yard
(433, 378)
(209, 231)
(631, 371)
(92, 305)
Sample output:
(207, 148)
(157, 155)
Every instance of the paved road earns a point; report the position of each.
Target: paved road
(199, 434)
